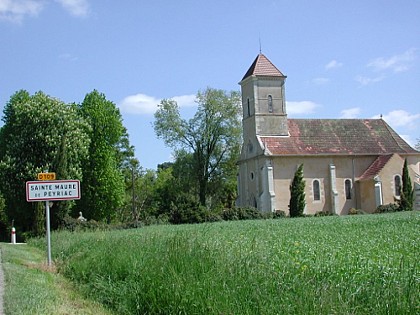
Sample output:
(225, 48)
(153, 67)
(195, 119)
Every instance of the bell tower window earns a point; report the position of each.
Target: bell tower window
(270, 103)
(248, 107)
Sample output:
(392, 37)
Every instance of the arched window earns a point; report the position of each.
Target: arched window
(248, 107)
(270, 103)
(316, 190)
(397, 185)
(347, 188)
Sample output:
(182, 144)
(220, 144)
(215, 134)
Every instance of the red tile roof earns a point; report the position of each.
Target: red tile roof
(376, 166)
(337, 136)
(264, 67)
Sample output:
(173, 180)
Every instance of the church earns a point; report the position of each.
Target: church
(347, 163)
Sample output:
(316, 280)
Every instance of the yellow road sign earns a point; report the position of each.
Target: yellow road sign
(46, 176)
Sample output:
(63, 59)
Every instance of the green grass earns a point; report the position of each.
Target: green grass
(329, 265)
(32, 288)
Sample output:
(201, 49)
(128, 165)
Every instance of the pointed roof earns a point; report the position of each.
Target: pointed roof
(376, 166)
(337, 136)
(263, 66)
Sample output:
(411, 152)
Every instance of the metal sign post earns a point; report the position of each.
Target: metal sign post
(48, 189)
(47, 214)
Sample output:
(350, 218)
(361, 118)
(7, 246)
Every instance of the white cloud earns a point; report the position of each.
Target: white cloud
(185, 100)
(333, 64)
(365, 80)
(396, 63)
(320, 81)
(16, 10)
(397, 118)
(350, 112)
(302, 107)
(79, 8)
(144, 104)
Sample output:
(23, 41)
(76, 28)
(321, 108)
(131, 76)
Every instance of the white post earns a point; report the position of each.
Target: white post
(334, 192)
(13, 241)
(47, 212)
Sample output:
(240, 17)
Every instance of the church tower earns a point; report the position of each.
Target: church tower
(263, 100)
(264, 114)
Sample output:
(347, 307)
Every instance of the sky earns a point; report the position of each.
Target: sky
(342, 59)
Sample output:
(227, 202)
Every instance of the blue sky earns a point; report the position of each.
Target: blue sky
(343, 59)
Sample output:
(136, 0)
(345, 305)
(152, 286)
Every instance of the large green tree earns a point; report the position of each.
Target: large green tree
(39, 133)
(406, 201)
(297, 194)
(211, 137)
(103, 180)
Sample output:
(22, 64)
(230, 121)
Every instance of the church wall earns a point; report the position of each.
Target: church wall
(250, 187)
(387, 175)
(318, 168)
(367, 195)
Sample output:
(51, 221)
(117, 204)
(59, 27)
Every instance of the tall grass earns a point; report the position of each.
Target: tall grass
(330, 265)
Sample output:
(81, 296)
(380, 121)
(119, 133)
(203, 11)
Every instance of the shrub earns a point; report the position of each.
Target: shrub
(323, 214)
(245, 213)
(297, 194)
(72, 224)
(354, 211)
(391, 207)
(187, 209)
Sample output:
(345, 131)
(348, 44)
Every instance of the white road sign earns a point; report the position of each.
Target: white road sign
(52, 190)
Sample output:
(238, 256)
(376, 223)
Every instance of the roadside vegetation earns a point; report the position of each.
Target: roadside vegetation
(34, 289)
(366, 264)
(88, 142)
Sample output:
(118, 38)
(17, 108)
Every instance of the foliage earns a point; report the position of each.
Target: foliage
(354, 211)
(406, 201)
(391, 207)
(207, 144)
(324, 214)
(297, 194)
(245, 213)
(187, 209)
(250, 267)
(103, 182)
(3, 219)
(39, 133)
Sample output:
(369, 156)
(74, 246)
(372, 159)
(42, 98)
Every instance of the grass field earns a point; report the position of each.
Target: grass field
(365, 264)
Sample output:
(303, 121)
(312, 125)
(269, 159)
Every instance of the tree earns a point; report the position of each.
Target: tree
(40, 133)
(211, 137)
(406, 201)
(103, 181)
(417, 146)
(297, 194)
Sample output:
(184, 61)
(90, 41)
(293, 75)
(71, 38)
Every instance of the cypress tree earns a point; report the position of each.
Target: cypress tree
(407, 193)
(297, 194)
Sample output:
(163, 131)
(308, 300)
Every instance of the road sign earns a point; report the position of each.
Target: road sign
(46, 176)
(52, 190)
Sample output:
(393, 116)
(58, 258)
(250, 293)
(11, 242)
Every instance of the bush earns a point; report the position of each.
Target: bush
(324, 214)
(72, 224)
(391, 207)
(354, 211)
(187, 209)
(250, 213)
(246, 213)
